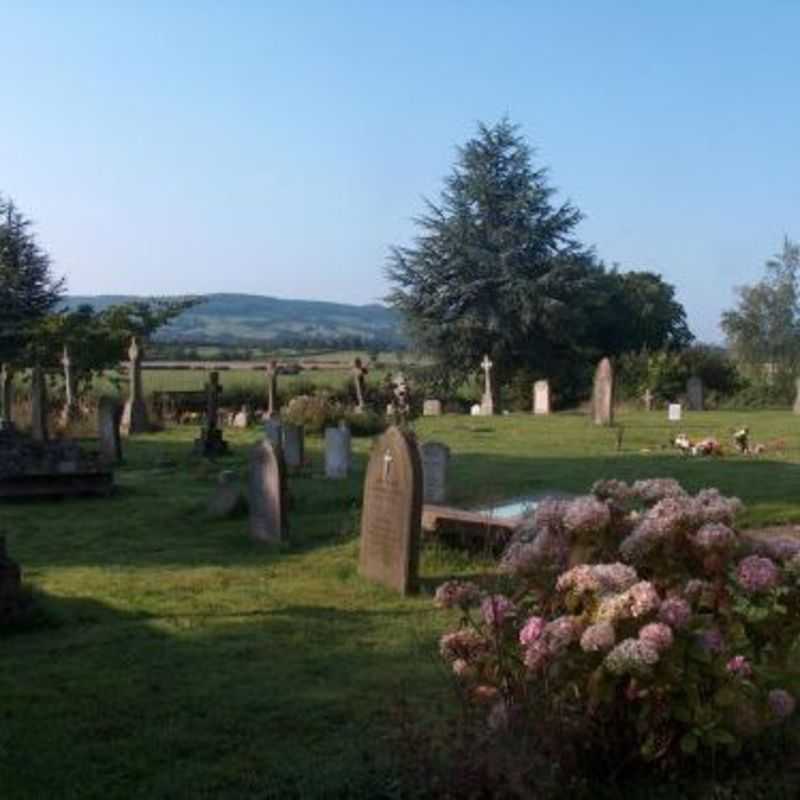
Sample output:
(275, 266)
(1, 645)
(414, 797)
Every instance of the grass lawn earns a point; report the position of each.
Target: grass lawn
(187, 661)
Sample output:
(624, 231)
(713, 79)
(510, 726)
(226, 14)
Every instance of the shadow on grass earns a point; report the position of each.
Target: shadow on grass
(112, 705)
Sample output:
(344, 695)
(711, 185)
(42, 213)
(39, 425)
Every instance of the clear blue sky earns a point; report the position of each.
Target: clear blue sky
(280, 148)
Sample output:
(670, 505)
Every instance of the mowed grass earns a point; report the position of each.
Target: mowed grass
(184, 660)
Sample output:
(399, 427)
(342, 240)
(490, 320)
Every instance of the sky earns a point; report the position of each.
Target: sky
(282, 148)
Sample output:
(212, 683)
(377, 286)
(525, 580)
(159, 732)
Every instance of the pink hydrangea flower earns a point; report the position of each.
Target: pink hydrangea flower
(713, 507)
(715, 537)
(644, 598)
(757, 574)
(597, 578)
(675, 612)
(497, 609)
(658, 635)
(781, 703)
(464, 643)
(739, 667)
(612, 489)
(531, 631)
(598, 637)
(654, 489)
(536, 655)
(631, 657)
(561, 632)
(711, 640)
(586, 515)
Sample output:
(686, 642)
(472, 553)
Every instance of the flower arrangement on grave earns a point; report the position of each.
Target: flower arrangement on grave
(635, 621)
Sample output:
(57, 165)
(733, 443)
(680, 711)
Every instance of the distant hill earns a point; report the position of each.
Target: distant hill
(248, 318)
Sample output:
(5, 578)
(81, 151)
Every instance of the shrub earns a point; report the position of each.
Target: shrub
(320, 411)
(636, 623)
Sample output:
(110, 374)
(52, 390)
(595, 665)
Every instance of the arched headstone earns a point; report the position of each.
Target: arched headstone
(391, 516)
(267, 494)
(603, 394)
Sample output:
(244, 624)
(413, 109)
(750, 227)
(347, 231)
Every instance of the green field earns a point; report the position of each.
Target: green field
(184, 660)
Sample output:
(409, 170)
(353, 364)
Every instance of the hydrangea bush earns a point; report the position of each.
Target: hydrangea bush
(635, 618)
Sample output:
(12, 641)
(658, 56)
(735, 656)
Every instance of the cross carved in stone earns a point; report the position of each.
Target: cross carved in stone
(387, 465)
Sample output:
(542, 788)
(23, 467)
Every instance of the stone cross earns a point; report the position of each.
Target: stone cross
(387, 465)
(647, 397)
(6, 396)
(70, 411)
(359, 372)
(272, 389)
(487, 401)
(134, 416)
(213, 391)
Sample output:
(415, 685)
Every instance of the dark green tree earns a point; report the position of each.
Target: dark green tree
(28, 288)
(496, 267)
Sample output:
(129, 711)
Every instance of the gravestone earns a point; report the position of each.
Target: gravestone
(211, 442)
(6, 396)
(392, 513)
(38, 405)
(487, 401)
(294, 445)
(134, 415)
(267, 493)
(694, 394)
(432, 408)
(227, 500)
(359, 372)
(242, 418)
(338, 452)
(541, 397)
(70, 412)
(603, 394)
(674, 412)
(796, 408)
(435, 458)
(475, 410)
(273, 432)
(647, 399)
(402, 400)
(10, 585)
(272, 389)
(108, 418)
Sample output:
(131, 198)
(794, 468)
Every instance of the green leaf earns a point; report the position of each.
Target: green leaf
(689, 744)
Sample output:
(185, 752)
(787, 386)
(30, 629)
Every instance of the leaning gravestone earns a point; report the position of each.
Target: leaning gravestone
(432, 408)
(273, 432)
(796, 408)
(267, 494)
(392, 513)
(294, 445)
(541, 397)
(108, 419)
(603, 394)
(338, 452)
(694, 394)
(435, 459)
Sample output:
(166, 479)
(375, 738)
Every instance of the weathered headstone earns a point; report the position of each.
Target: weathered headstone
(694, 394)
(402, 399)
(108, 419)
(603, 394)
(267, 493)
(134, 415)
(294, 445)
(10, 585)
(6, 396)
(796, 407)
(273, 432)
(359, 372)
(541, 397)
(38, 405)
(272, 389)
(487, 401)
(435, 458)
(392, 513)
(70, 412)
(227, 499)
(211, 442)
(674, 412)
(647, 399)
(338, 452)
(475, 410)
(432, 408)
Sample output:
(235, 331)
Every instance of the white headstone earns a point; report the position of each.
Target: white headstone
(541, 397)
(432, 408)
(674, 412)
(475, 411)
